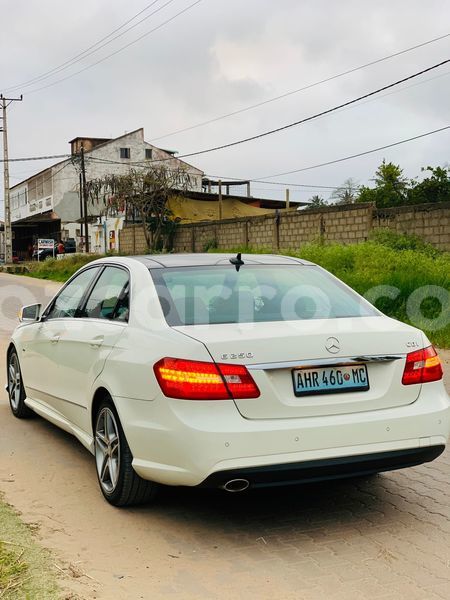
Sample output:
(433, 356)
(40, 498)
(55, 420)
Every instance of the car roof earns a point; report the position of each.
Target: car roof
(155, 261)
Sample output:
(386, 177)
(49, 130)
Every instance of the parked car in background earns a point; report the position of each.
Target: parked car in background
(15, 259)
(45, 253)
(226, 372)
(70, 246)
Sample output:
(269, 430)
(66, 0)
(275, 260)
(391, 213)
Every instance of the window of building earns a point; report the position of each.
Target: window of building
(125, 153)
(148, 153)
(40, 186)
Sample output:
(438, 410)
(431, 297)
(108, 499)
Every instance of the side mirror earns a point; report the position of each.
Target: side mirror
(29, 314)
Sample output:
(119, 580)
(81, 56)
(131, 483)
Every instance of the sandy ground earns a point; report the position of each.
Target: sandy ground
(192, 544)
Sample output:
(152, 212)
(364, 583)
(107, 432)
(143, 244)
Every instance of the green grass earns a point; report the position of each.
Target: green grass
(59, 270)
(26, 569)
(368, 265)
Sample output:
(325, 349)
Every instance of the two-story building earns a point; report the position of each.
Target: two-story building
(47, 205)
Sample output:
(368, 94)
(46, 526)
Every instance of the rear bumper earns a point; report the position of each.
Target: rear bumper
(176, 442)
(321, 470)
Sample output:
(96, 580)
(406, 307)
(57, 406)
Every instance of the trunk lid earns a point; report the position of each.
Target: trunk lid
(271, 351)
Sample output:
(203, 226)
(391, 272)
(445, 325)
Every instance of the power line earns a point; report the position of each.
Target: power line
(286, 183)
(28, 158)
(121, 49)
(223, 177)
(295, 123)
(51, 176)
(263, 178)
(338, 160)
(291, 184)
(281, 183)
(315, 116)
(302, 89)
(84, 53)
(147, 162)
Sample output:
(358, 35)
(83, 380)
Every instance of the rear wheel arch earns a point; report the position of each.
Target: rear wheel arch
(128, 488)
(100, 395)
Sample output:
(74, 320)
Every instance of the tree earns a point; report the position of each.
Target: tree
(391, 187)
(435, 188)
(347, 193)
(316, 202)
(142, 194)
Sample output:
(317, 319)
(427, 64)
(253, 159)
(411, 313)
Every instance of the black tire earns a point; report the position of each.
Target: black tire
(16, 390)
(120, 484)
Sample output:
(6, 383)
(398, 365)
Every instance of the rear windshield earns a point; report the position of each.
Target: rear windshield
(255, 293)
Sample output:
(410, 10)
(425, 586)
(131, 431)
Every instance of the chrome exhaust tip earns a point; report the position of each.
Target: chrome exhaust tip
(236, 485)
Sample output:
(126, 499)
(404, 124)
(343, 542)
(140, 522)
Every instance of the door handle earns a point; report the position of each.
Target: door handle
(96, 342)
(55, 339)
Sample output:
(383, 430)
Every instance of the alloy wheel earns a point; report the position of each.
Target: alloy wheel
(107, 450)
(14, 381)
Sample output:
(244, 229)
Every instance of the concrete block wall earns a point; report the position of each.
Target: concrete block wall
(431, 222)
(132, 240)
(349, 224)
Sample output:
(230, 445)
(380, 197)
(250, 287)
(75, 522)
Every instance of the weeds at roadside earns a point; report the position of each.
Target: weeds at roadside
(13, 571)
(25, 567)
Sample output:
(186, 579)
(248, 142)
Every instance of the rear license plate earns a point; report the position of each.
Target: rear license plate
(330, 380)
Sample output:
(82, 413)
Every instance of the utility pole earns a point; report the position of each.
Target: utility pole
(220, 201)
(81, 205)
(84, 193)
(287, 199)
(5, 102)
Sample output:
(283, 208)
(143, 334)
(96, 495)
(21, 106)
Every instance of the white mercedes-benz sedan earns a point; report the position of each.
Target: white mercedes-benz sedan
(228, 372)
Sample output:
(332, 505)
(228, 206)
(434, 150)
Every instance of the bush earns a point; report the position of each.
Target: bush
(403, 241)
(60, 270)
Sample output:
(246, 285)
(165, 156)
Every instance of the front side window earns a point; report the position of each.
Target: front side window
(125, 153)
(255, 293)
(66, 303)
(109, 298)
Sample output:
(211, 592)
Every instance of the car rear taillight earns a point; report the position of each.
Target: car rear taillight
(239, 381)
(422, 366)
(198, 380)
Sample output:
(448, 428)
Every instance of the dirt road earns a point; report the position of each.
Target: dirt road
(386, 537)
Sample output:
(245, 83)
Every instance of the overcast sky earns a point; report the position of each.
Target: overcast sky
(221, 56)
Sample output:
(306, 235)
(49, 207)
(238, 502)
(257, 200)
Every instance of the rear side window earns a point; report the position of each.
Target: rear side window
(109, 298)
(66, 303)
(255, 293)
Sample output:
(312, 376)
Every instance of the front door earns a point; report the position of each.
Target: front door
(39, 352)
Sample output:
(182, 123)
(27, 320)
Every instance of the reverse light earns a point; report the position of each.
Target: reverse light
(422, 366)
(199, 380)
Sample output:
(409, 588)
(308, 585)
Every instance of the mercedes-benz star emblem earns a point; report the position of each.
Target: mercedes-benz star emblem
(332, 345)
